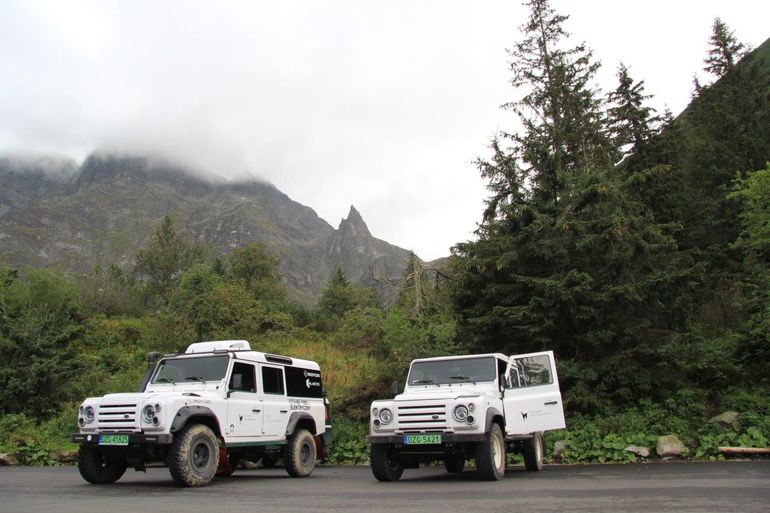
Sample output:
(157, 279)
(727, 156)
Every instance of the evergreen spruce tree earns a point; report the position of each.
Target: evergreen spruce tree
(632, 122)
(569, 255)
(563, 122)
(725, 50)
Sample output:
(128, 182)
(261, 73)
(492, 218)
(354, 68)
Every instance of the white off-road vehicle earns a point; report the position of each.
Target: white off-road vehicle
(458, 408)
(203, 411)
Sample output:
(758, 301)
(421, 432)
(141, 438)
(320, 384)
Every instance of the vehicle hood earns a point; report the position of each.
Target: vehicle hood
(139, 397)
(446, 395)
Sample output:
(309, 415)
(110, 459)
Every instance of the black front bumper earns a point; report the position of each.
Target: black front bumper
(133, 438)
(446, 439)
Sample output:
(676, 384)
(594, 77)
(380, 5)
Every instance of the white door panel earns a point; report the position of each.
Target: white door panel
(533, 401)
(244, 415)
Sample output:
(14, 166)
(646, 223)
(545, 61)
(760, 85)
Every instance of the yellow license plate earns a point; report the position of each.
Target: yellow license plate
(113, 439)
(422, 439)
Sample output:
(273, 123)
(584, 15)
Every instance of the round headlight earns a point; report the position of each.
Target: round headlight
(460, 413)
(386, 416)
(148, 412)
(89, 414)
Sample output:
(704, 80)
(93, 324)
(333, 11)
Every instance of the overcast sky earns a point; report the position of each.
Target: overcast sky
(380, 104)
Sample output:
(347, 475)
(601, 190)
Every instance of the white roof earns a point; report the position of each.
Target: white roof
(460, 357)
(207, 347)
(244, 352)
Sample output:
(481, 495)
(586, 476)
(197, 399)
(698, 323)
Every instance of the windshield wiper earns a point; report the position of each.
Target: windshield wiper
(464, 378)
(423, 382)
(194, 378)
(164, 380)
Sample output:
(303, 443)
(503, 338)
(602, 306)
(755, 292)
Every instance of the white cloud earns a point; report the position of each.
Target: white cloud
(381, 104)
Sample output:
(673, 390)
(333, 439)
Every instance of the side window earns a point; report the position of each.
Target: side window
(303, 382)
(243, 378)
(534, 370)
(272, 380)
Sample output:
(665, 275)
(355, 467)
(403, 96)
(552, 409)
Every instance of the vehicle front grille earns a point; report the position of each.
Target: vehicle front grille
(116, 417)
(421, 417)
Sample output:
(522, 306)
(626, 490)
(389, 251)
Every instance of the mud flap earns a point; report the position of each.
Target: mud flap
(224, 469)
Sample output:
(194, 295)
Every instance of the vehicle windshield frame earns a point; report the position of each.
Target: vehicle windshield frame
(452, 371)
(195, 369)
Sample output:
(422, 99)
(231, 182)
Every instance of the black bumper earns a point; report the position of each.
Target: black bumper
(133, 438)
(446, 439)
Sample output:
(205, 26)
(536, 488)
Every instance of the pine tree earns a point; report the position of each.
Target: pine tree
(631, 121)
(725, 50)
(562, 116)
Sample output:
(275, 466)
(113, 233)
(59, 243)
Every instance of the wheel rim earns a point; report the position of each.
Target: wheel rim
(201, 455)
(497, 452)
(304, 454)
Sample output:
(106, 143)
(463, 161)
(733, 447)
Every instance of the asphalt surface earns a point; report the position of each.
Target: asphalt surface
(741, 486)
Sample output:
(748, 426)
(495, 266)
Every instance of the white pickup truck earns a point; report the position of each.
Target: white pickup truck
(457, 408)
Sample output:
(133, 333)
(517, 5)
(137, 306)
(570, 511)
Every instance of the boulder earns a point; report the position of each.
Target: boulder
(558, 450)
(9, 459)
(642, 452)
(66, 456)
(669, 446)
(728, 419)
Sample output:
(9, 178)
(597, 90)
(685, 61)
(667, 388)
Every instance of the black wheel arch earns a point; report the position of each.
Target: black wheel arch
(494, 416)
(301, 420)
(198, 414)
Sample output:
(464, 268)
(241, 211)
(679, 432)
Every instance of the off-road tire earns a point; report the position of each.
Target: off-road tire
(490, 455)
(98, 469)
(194, 456)
(386, 465)
(532, 450)
(299, 459)
(454, 464)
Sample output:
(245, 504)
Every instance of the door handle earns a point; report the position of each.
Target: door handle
(256, 411)
(284, 411)
(550, 403)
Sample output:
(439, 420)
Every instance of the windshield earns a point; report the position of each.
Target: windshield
(465, 370)
(180, 370)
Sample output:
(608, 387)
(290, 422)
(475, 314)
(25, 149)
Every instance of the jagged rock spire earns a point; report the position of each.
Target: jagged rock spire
(354, 224)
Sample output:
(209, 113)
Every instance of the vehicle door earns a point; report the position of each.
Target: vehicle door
(274, 399)
(244, 407)
(532, 399)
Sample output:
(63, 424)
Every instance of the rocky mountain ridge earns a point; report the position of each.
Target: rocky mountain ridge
(56, 214)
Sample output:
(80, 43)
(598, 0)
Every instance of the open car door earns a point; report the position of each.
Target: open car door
(532, 399)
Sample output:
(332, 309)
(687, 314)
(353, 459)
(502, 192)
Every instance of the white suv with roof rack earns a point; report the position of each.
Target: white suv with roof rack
(202, 411)
(458, 408)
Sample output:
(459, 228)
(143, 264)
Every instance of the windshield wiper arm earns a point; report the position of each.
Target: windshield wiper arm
(164, 380)
(195, 378)
(423, 382)
(464, 378)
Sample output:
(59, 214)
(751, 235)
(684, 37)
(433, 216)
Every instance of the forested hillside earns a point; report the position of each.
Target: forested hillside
(633, 243)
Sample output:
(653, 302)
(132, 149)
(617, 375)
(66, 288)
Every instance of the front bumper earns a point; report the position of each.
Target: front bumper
(133, 438)
(447, 439)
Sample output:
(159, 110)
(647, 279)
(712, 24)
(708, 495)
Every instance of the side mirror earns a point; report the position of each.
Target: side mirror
(503, 382)
(395, 387)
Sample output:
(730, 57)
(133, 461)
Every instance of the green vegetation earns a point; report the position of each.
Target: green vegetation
(636, 246)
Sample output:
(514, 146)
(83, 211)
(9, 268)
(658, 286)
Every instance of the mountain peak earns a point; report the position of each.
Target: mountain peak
(354, 224)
